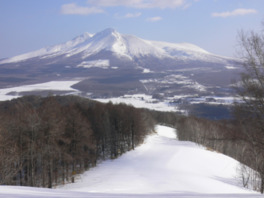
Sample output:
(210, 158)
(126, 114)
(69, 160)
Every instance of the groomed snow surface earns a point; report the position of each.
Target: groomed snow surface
(162, 167)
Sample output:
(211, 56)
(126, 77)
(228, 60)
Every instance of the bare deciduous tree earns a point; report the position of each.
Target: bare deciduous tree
(250, 112)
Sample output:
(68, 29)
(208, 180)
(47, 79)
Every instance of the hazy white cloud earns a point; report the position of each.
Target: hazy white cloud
(74, 9)
(168, 3)
(154, 19)
(96, 6)
(139, 3)
(237, 12)
(109, 3)
(186, 6)
(133, 15)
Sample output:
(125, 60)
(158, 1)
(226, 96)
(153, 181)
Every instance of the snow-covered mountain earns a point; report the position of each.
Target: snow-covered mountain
(109, 63)
(55, 50)
(120, 45)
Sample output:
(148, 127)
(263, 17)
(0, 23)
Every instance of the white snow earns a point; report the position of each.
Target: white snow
(107, 40)
(214, 100)
(172, 47)
(162, 167)
(230, 67)
(177, 79)
(52, 85)
(138, 47)
(146, 71)
(140, 101)
(50, 51)
(104, 64)
(123, 45)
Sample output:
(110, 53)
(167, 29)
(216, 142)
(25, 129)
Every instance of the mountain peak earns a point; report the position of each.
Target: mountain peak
(107, 32)
(86, 35)
(121, 45)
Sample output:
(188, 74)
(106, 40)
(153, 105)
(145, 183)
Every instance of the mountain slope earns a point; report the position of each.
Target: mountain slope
(109, 64)
(52, 50)
(162, 167)
(119, 44)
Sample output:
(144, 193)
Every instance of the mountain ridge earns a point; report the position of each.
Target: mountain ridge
(120, 44)
(111, 64)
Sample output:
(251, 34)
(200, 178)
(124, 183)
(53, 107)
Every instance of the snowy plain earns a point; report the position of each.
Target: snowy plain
(162, 167)
(15, 92)
(140, 101)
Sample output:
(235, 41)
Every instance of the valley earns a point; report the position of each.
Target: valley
(110, 65)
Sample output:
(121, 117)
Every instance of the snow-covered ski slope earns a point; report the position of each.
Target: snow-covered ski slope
(162, 167)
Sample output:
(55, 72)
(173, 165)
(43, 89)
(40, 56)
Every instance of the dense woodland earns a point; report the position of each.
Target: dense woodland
(47, 141)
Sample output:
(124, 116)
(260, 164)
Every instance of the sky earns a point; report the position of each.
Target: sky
(213, 25)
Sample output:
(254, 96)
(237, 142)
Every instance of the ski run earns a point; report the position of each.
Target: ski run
(162, 167)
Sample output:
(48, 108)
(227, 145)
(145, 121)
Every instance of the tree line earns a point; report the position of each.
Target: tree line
(227, 137)
(243, 137)
(47, 141)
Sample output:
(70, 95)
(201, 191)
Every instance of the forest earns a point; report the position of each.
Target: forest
(47, 141)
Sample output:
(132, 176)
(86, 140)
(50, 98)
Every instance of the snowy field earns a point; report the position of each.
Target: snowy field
(136, 100)
(15, 92)
(162, 167)
(147, 101)
(140, 101)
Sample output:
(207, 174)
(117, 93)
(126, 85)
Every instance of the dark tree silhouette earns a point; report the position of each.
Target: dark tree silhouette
(47, 141)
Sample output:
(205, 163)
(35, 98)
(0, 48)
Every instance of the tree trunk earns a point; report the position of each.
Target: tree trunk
(50, 175)
(133, 136)
(262, 183)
